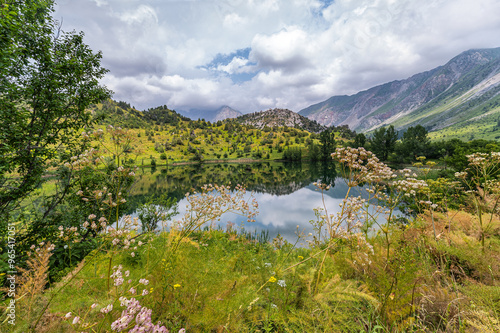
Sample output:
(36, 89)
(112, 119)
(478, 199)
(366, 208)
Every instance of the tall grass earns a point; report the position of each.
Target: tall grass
(365, 269)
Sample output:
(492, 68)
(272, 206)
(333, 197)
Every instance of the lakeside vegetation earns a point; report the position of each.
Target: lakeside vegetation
(434, 271)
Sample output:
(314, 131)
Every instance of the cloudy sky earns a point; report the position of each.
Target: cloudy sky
(258, 54)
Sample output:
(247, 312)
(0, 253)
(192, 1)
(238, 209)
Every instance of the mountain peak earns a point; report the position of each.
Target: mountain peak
(223, 112)
(279, 118)
(436, 99)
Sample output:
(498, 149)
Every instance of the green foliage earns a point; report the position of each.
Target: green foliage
(314, 151)
(327, 141)
(414, 143)
(383, 142)
(292, 154)
(157, 209)
(359, 140)
(47, 82)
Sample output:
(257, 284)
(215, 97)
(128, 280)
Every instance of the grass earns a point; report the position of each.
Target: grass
(435, 272)
(219, 281)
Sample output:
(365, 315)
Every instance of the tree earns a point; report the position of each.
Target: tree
(383, 142)
(327, 140)
(359, 140)
(414, 143)
(47, 80)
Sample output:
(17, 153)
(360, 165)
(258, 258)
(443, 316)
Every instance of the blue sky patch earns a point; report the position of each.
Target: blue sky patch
(225, 59)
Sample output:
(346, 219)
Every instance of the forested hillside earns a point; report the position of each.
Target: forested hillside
(161, 136)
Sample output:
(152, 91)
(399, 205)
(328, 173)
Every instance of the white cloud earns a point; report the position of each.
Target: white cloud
(301, 51)
(100, 3)
(237, 65)
(143, 14)
(286, 50)
(234, 20)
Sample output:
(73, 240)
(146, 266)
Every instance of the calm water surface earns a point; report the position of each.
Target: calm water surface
(284, 191)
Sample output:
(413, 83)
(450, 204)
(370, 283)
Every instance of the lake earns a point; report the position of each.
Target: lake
(284, 191)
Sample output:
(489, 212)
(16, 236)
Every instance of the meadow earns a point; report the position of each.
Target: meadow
(436, 270)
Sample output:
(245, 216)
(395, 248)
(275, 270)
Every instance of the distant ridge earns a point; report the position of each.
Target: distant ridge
(224, 112)
(463, 93)
(280, 118)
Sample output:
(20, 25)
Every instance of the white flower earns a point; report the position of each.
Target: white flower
(76, 320)
(67, 315)
(107, 309)
(281, 283)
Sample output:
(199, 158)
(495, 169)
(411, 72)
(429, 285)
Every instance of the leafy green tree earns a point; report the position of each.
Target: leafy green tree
(314, 152)
(47, 80)
(359, 140)
(292, 154)
(383, 142)
(327, 140)
(414, 143)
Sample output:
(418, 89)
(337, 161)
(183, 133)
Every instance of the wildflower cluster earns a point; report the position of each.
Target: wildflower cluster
(142, 316)
(362, 166)
(384, 191)
(87, 158)
(69, 234)
(124, 237)
(212, 202)
(105, 196)
(134, 317)
(41, 249)
(482, 181)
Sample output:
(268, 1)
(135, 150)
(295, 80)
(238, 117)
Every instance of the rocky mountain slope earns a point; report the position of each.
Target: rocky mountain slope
(279, 118)
(225, 112)
(451, 97)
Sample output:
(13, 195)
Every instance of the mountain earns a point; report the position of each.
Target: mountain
(458, 96)
(224, 112)
(280, 118)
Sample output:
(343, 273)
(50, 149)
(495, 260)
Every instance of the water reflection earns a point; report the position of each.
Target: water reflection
(284, 191)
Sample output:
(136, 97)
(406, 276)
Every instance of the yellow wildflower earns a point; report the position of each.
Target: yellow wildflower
(301, 257)
(176, 286)
(272, 279)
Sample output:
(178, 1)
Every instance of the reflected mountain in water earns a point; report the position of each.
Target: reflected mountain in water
(275, 178)
(285, 191)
